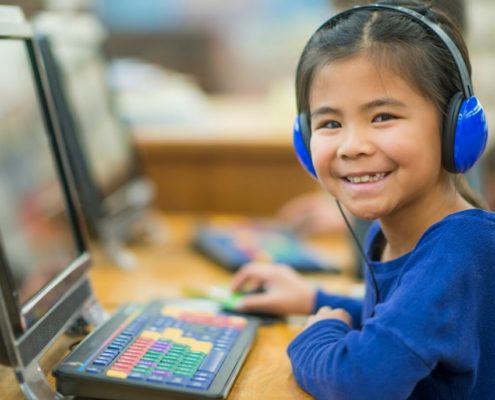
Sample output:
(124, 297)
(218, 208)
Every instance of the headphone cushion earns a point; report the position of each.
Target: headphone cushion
(300, 139)
(471, 134)
(465, 134)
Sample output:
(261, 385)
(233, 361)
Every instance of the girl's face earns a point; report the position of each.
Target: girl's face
(375, 139)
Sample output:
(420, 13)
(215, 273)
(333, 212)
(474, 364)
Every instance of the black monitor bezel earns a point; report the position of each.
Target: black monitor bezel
(92, 196)
(34, 334)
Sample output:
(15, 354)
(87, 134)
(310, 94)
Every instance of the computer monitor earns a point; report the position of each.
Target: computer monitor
(43, 257)
(115, 196)
(44, 284)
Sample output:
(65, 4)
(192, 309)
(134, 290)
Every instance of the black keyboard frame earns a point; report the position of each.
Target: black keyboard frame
(71, 381)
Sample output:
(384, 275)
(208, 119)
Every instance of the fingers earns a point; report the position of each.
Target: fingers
(256, 302)
(284, 290)
(324, 310)
(329, 313)
(253, 275)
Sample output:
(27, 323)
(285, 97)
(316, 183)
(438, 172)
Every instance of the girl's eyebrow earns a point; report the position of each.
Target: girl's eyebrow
(386, 101)
(324, 110)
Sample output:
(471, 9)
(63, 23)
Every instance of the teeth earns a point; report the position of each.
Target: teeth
(366, 178)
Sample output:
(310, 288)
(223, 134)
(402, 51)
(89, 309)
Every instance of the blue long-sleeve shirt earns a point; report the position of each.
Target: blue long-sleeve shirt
(432, 335)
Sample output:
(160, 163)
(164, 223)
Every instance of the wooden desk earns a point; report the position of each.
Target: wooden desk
(162, 272)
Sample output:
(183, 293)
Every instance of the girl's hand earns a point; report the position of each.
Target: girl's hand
(329, 313)
(284, 291)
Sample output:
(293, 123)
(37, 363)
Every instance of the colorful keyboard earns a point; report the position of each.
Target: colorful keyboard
(158, 351)
(234, 244)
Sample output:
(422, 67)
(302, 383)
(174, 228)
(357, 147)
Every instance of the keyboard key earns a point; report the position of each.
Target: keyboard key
(178, 381)
(204, 374)
(116, 374)
(136, 376)
(213, 361)
(101, 362)
(198, 385)
(156, 378)
(94, 370)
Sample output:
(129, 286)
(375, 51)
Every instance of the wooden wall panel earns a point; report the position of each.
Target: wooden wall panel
(253, 178)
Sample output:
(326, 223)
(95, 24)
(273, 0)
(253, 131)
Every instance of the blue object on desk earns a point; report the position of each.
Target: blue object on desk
(233, 245)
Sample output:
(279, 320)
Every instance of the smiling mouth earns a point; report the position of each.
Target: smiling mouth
(366, 178)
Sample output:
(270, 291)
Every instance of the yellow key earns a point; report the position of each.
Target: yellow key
(150, 335)
(116, 374)
(172, 311)
(185, 340)
(203, 347)
(237, 320)
(171, 333)
(200, 312)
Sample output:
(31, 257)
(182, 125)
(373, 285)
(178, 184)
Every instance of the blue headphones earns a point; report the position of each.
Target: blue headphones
(465, 130)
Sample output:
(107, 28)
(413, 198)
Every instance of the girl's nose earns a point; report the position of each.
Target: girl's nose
(355, 142)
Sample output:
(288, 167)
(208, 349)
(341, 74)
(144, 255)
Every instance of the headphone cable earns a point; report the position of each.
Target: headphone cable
(363, 255)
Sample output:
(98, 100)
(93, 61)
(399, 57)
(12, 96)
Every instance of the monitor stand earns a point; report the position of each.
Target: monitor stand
(118, 254)
(131, 220)
(32, 379)
(33, 384)
(146, 229)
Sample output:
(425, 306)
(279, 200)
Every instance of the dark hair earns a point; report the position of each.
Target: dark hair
(488, 160)
(393, 40)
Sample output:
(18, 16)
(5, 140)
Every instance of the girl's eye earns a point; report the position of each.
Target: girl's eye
(331, 125)
(383, 117)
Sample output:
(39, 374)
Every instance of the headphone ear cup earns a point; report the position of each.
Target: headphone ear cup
(301, 138)
(465, 134)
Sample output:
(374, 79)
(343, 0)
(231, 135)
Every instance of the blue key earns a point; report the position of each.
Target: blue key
(101, 362)
(198, 385)
(178, 380)
(94, 370)
(213, 361)
(203, 374)
(136, 376)
(156, 378)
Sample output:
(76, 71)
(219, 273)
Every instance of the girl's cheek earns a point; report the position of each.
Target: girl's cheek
(323, 154)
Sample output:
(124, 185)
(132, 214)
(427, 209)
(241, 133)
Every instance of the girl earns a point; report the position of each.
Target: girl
(377, 88)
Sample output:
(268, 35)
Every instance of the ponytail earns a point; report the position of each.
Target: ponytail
(466, 191)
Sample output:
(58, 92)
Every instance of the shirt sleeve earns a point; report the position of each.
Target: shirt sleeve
(414, 329)
(353, 306)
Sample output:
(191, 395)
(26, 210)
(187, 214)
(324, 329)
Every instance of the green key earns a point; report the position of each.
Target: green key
(193, 357)
(153, 353)
(175, 353)
(165, 367)
(150, 358)
(142, 370)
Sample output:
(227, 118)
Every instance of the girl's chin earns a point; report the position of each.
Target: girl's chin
(366, 213)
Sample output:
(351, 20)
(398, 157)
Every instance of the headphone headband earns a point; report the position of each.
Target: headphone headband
(423, 20)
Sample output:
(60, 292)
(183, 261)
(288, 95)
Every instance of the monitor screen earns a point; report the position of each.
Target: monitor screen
(105, 143)
(36, 231)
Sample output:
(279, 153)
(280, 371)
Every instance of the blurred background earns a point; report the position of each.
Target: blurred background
(205, 89)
